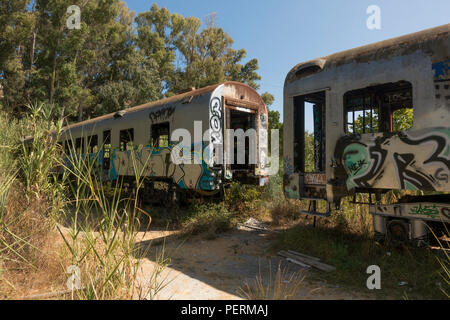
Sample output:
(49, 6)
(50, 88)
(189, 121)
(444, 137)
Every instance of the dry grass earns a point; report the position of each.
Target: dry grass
(284, 285)
(29, 246)
(46, 226)
(285, 212)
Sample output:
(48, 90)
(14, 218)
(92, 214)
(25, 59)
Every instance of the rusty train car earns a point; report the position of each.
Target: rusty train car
(381, 117)
(138, 139)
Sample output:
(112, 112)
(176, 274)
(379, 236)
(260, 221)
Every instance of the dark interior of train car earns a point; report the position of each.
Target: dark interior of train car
(245, 121)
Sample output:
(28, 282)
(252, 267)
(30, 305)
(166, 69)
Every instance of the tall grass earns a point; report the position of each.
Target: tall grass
(24, 220)
(101, 238)
(56, 216)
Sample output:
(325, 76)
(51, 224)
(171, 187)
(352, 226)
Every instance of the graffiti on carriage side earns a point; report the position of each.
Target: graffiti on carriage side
(290, 180)
(291, 186)
(162, 114)
(431, 211)
(442, 83)
(441, 70)
(215, 121)
(288, 166)
(315, 179)
(396, 161)
(156, 162)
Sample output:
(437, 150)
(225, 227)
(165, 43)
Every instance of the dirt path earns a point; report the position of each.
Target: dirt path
(216, 269)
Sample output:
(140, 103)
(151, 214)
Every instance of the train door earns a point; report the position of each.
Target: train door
(106, 152)
(309, 145)
(241, 150)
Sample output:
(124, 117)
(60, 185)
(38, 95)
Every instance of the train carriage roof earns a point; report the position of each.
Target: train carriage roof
(159, 103)
(378, 50)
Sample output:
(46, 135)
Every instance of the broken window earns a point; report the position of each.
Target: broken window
(160, 135)
(79, 145)
(68, 147)
(382, 108)
(106, 149)
(126, 139)
(92, 144)
(309, 147)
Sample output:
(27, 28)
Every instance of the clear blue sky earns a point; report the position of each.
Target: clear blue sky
(282, 33)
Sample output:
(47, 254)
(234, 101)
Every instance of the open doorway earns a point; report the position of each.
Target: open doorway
(309, 129)
(242, 119)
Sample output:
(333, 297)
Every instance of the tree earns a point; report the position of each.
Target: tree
(16, 24)
(188, 56)
(136, 82)
(402, 120)
(113, 61)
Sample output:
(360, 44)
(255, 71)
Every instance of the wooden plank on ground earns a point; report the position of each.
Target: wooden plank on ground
(298, 263)
(314, 263)
(303, 255)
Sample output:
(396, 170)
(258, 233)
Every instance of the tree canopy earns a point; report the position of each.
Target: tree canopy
(115, 60)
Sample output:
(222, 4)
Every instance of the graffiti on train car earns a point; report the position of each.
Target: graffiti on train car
(442, 83)
(156, 162)
(425, 210)
(441, 70)
(216, 119)
(162, 114)
(398, 161)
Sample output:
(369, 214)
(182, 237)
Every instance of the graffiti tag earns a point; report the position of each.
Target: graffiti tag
(441, 70)
(429, 211)
(413, 163)
(355, 167)
(315, 178)
(216, 121)
(162, 114)
(287, 166)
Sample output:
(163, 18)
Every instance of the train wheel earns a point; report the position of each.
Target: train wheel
(397, 232)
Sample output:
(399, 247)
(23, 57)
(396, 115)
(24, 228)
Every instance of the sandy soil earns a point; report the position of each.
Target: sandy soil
(216, 269)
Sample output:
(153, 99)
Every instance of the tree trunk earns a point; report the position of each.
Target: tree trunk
(52, 81)
(33, 46)
(80, 112)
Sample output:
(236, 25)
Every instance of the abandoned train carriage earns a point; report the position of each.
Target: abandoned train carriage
(147, 129)
(362, 101)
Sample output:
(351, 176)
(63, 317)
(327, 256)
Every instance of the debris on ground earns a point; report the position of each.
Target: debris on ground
(305, 261)
(252, 223)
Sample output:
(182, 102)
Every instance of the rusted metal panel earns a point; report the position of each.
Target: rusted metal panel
(242, 103)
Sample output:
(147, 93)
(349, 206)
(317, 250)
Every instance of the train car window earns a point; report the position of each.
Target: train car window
(126, 139)
(79, 145)
(382, 108)
(106, 149)
(92, 144)
(160, 135)
(68, 146)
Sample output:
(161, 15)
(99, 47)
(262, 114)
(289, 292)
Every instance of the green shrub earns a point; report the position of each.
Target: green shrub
(211, 219)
